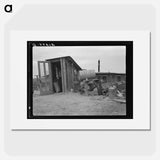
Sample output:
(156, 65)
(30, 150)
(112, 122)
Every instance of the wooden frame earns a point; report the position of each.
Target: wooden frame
(47, 87)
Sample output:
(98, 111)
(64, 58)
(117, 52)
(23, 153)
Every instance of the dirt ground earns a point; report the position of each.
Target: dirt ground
(76, 104)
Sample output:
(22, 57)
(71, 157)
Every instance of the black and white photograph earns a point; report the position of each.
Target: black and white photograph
(80, 79)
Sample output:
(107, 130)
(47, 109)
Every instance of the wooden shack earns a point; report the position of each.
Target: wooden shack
(111, 77)
(58, 75)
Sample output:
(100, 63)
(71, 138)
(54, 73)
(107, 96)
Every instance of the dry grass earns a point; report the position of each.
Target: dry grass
(76, 104)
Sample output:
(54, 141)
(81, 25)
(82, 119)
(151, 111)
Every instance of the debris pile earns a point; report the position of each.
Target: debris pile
(94, 87)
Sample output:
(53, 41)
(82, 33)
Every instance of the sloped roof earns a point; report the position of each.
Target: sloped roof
(68, 58)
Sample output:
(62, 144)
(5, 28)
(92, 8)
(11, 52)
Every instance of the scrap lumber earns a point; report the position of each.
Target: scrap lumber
(119, 100)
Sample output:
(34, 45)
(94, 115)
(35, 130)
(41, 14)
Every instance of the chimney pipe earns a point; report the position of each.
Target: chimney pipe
(98, 65)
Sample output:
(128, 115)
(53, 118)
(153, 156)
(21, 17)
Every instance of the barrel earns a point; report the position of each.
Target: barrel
(86, 74)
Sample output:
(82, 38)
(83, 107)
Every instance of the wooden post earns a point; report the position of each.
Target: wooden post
(63, 73)
(39, 72)
(72, 78)
(50, 75)
(44, 67)
(61, 63)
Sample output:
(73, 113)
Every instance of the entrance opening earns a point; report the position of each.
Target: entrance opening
(56, 76)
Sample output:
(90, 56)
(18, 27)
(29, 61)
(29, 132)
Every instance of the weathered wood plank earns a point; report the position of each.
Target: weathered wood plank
(64, 72)
(39, 72)
(50, 76)
(69, 77)
(44, 67)
(62, 75)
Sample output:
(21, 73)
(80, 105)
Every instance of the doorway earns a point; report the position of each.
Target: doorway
(56, 76)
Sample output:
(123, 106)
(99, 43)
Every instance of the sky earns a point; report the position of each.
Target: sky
(112, 58)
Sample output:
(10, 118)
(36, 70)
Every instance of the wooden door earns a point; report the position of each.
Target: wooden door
(45, 77)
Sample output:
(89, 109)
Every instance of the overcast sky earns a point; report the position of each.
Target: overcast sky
(112, 58)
